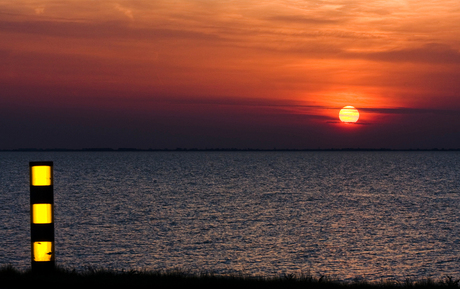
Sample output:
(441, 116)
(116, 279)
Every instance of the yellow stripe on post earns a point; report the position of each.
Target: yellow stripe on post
(42, 214)
(41, 176)
(43, 252)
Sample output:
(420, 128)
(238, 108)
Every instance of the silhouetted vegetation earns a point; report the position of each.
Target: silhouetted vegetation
(102, 278)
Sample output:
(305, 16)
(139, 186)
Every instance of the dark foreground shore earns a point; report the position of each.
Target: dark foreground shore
(101, 278)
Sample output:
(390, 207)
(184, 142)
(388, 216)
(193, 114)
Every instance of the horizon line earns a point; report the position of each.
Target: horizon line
(179, 149)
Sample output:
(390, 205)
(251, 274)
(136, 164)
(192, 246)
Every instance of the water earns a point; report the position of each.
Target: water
(348, 215)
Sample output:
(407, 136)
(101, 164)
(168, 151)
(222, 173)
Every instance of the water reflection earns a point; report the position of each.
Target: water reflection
(349, 215)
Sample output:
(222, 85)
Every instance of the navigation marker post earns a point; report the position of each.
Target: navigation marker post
(42, 216)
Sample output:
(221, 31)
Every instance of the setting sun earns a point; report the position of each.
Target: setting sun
(349, 114)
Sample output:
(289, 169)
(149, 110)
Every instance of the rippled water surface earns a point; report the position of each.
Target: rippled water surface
(347, 215)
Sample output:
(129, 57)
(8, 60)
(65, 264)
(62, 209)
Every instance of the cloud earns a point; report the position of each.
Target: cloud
(299, 19)
(124, 10)
(406, 110)
(98, 30)
(39, 10)
(429, 53)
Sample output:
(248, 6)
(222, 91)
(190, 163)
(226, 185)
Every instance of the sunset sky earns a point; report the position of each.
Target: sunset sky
(241, 73)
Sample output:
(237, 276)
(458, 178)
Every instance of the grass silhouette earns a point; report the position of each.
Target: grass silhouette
(103, 278)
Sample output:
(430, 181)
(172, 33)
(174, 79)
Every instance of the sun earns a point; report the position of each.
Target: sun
(349, 114)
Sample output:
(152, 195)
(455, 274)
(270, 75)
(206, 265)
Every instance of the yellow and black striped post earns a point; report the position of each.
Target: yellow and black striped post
(42, 216)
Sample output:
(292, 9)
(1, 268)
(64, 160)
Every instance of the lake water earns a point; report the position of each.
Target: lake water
(347, 215)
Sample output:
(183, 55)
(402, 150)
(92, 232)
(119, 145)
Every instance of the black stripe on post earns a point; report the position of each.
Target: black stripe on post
(42, 216)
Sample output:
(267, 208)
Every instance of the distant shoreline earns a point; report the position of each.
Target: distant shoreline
(227, 150)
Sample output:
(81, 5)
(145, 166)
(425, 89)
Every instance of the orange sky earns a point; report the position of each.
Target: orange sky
(210, 73)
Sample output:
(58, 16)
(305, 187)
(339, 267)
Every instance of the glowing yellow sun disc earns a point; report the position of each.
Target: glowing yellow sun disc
(349, 114)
